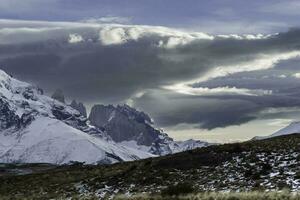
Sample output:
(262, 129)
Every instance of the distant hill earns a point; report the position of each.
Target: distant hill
(292, 128)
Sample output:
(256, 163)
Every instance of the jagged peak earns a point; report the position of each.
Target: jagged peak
(126, 110)
(79, 107)
(73, 102)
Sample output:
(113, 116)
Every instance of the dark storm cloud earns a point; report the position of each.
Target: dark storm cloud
(117, 71)
(211, 112)
(201, 112)
(112, 66)
(284, 99)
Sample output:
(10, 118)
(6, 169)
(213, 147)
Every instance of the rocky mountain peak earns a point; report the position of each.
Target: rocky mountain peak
(80, 107)
(36, 128)
(124, 123)
(131, 127)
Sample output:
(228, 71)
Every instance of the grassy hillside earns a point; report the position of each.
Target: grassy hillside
(220, 196)
(265, 165)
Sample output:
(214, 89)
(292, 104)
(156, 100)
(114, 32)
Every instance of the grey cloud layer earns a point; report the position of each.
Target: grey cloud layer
(169, 109)
(112, 63)
(214, 16)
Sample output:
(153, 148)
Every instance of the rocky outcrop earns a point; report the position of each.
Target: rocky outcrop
(129, 126)
(123, 123)
(79, 106)
(8, 119)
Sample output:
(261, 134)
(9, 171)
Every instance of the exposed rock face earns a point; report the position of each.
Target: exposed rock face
(79, 106)
(124, 123)
(8, 118)
(135, 129)
(59, 96)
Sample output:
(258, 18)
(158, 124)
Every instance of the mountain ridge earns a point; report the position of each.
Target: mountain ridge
(37, 128)
(124, 124)
(292, 128)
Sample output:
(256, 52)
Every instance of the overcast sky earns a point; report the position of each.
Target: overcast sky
(214, 70)
(214, 16)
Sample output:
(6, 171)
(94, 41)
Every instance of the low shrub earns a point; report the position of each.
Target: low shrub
(178, 189)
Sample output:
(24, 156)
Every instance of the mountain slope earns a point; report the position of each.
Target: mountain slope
(37, 128)
(263, 165)
(56, 142)
(292, 128)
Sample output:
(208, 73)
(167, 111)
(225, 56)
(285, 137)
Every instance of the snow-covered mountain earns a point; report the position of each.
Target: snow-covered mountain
(292, 128)
(37, 128)
(135, 129)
